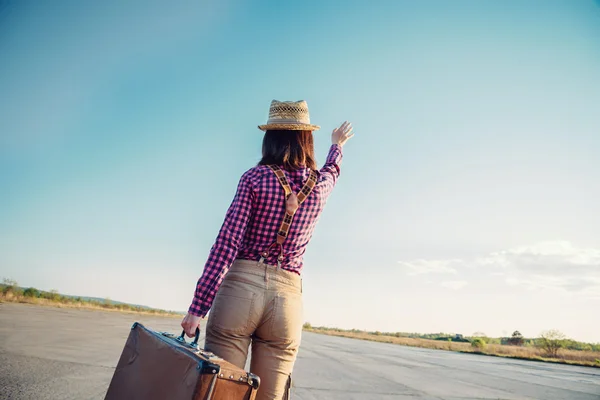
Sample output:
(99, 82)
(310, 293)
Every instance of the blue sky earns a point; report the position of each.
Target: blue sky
(468, 197)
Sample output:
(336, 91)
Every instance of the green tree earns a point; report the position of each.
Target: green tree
(516, 339)
(31, 292)
(478, 344)
(552, 341)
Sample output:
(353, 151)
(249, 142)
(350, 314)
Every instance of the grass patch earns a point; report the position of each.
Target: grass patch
(14, 294)
(564, 356)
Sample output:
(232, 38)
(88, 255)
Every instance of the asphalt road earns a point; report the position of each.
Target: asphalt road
(52, 353)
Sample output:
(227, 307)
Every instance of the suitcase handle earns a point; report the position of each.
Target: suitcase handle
(194, 344)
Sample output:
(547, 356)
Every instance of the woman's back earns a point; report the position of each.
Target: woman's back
(254, 217)
(267, 202)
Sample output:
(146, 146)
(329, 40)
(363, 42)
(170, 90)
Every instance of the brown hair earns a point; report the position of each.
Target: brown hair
(292, 149)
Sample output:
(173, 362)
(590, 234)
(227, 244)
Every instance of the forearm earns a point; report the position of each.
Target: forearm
(332, 168)
(219, 260)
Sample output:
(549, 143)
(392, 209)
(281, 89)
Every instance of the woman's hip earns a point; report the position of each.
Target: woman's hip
(264, 276)
(254, 295)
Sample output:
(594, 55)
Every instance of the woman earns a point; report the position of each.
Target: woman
(252, 279)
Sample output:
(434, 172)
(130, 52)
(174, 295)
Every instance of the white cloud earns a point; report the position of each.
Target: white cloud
(549, 265)
(456, 285)
(418, 267)
(557, 264)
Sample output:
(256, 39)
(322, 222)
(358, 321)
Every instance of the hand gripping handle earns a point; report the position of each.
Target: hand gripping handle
(194, 344)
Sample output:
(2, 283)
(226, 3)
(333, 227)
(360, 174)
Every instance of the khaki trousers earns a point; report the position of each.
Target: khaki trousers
(261, 305)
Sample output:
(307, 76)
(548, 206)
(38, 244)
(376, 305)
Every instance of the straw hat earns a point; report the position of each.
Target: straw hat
(289, 115)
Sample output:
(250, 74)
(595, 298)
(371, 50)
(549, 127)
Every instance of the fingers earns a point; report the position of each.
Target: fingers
(344, 128)
(349, 133)
(348, 128)
(190, 330)
(185, 326)
(341, 127)
(189, 326)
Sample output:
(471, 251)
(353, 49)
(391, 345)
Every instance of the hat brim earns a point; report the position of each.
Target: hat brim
(289, 127)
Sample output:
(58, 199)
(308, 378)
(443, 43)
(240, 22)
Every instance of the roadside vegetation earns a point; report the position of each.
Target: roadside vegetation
(550, 346)
(12, 293)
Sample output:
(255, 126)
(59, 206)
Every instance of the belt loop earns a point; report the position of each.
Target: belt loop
(262, 262)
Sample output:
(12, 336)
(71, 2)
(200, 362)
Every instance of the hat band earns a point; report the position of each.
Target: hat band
(286, 121)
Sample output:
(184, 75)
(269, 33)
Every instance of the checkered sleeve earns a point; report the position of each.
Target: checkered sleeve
(331, 170)
(225, 248)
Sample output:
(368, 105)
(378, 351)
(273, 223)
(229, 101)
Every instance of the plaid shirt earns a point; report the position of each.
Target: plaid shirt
(253, 219)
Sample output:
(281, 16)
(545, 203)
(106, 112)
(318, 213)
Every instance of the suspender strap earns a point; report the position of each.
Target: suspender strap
(282, 180)
(292, 203)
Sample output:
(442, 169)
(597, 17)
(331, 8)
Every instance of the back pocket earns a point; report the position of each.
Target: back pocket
(231, 311)
(286, 323)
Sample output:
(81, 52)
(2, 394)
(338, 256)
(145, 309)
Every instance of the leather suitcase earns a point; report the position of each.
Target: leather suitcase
(159, 365)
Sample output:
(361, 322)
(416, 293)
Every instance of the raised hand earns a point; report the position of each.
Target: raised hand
(342, 134)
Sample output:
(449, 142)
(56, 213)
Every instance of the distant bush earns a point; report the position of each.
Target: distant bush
(516, 339)
(575, 345)
(307, 325)
(455, 338)
(10, 286)
(478, 343)
(31, 292)
(51, 295)
(551, 342)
